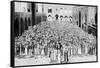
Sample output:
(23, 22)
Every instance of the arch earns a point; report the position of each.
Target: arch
(79, 19)
(26, 24)
(16, 27)
(49, 10)
(28, 9)
(56, 16)
(21, 25)
(29, 22)
(96, 18)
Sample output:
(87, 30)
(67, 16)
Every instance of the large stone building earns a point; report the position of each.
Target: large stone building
(22, 17)
(83, 16)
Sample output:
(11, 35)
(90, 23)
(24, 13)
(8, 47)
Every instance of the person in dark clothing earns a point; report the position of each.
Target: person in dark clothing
(56, 16)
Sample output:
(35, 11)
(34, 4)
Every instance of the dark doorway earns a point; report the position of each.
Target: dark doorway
(21, 26)
(79, 19)
(96, 18)
(26, 24)
(33, 14)
(16, 27)
(29, 22)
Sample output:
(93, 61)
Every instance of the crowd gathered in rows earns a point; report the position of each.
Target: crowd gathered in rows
(43, 34)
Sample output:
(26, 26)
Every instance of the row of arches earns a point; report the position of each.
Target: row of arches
(21, 24)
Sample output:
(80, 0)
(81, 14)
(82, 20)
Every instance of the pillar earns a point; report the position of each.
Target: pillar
(15, 50)
(20, 50)
(26, 50)
(79, 50)
(86, 50)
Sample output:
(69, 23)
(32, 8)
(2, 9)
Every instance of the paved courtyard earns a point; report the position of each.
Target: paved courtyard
(82, 58)
(46, 60)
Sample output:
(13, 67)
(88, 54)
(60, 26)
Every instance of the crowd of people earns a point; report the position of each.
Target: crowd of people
(46, 37)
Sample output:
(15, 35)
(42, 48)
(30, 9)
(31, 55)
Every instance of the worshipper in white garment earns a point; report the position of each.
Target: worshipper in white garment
(49, 18)
(66, 19)
(70, 19)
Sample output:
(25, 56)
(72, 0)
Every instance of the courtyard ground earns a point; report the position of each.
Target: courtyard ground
(46, 60)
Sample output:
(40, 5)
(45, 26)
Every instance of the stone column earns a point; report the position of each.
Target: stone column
(20, 50)
(79, 50)
(25, 50)
(15, 51)
(95, 50)
(42, 51)
(86, 50)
